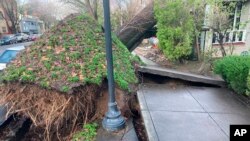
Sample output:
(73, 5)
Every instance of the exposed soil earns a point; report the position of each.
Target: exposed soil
(137, 120)
(140, 129)
(59, 82)
(153, 54)
(49, 110)
(14, 128)
(189, 66)
(64, 116)
(122, 99)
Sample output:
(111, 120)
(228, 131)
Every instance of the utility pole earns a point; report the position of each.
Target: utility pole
(113, 120)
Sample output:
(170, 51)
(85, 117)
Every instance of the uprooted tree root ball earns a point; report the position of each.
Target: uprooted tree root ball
(55, 81)
(51, 110)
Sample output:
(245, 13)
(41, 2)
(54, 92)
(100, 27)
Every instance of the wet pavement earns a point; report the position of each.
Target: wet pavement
(187, 113)
(127, 134)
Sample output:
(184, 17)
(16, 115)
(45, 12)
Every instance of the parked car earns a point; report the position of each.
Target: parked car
(22, 37)
(8, 39)
(34, 37)
(8, 55)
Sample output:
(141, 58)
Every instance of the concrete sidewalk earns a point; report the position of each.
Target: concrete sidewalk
(190, 113)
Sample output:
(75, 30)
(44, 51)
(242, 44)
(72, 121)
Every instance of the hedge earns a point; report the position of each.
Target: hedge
(175, 28)
(235, 70)
(248, 85)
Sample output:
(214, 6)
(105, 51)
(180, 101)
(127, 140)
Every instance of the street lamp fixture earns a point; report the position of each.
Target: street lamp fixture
(205, 28)
(113, 121)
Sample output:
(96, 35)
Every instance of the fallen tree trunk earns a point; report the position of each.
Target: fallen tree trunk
(138, 28)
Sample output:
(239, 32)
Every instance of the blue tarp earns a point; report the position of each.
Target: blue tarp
(8, 55)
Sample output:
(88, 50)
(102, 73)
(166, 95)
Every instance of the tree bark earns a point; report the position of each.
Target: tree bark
(140, 27)
(222, 49)
(197, 48)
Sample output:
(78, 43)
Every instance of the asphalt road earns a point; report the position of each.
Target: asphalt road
(3, 48)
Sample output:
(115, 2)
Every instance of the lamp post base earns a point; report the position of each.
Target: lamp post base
(113, 121)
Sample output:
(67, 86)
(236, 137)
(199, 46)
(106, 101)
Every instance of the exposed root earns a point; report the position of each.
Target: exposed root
(49, 110)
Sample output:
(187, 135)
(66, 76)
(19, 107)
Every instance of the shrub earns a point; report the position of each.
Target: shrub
(248, 85)
(175, 28)
(235, 70)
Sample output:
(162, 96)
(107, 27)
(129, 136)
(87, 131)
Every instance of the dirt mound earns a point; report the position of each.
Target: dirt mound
(70, 55)
(56, 81)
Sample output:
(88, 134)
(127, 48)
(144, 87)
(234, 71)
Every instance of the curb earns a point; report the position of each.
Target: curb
(150, 129)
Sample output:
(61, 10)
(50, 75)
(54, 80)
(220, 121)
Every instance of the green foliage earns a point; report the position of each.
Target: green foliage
(87, 134)
(248, 85)
(74, 79)
(54, 75)
(75, 55)
(124, 79)
(175, 28)
(18, 73)
(235, 70)
(47, 64)
(28, 76)
(73, 52)
(44, 83)
(65, 89)
(53, 41)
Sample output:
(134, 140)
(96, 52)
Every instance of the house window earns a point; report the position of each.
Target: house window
(227, 37)
(234, 33)
(1, 15)
(4, 29)
(234, 17)
(237, 16)
(214, 40)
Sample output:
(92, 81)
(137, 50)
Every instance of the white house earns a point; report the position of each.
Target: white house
(31, 25)
(237, 38)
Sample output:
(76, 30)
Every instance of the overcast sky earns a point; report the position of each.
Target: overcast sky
(63, 9)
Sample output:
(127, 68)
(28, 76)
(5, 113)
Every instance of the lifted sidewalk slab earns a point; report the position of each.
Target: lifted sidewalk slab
(156, 70)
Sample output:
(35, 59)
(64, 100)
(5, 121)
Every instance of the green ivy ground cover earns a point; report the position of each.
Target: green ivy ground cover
(69, 55)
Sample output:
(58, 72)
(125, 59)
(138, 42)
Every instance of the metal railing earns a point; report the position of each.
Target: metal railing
(234, 36)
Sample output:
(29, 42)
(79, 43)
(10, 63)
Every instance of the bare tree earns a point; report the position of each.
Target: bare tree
(222, 21)
(45, 11)
(125, 11)
(132, 21)
(10, 14)
(88, 6)
(198, 13)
